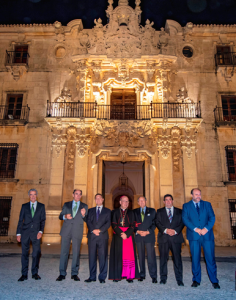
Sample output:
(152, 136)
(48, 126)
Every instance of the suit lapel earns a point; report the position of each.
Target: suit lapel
(139, 215)
(29, 210)
(166, 216)
(37, 209)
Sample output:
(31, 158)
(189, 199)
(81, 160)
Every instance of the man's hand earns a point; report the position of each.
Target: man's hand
(198, 230)
(18, 237)
(204, 231)
(96, 232)
(83, 212)
(123, 235)
(39, 235)
(68, 216)
(170, 232)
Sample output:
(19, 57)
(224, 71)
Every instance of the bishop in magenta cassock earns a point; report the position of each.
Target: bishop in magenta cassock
(123, 261)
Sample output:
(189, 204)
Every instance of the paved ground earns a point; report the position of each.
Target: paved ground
(48, 288)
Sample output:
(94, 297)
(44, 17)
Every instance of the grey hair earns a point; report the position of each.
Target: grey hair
(32, 190)
(142, 197)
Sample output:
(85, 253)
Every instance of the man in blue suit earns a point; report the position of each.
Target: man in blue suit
(199, 218)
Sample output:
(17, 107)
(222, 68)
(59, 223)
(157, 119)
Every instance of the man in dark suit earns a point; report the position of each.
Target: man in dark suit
(98, 222)
(73, 213)
(170, 225)
(30, 228)
(145, 238)
(199, 218)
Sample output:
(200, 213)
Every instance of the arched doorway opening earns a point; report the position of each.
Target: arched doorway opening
(118, 193)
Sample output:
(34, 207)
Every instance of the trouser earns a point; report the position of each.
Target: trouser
(151, 258)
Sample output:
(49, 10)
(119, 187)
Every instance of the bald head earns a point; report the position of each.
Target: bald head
(124, 202)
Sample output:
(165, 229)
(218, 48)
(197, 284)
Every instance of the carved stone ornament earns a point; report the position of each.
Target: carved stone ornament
(17, 71)
(164, 145)
(189, 139)
(71, 140)
(83, 139)
(227, 72)
(65, 96)
(58, 138)
(121, 134)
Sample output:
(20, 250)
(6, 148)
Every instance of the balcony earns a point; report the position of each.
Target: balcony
(225, 116)
(123, 112)
(14, 115)
(225, 59)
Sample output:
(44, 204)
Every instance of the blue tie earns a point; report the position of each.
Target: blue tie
(98, 213)
(197, 208)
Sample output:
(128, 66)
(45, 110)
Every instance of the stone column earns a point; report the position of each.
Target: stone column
(165, 164)
(190, 172)
(81, 173)
(188, 142)
(57, 172)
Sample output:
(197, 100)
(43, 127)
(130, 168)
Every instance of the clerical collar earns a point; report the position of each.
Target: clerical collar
(123, 209)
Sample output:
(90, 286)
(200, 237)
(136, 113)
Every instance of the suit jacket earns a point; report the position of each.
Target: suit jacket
(103, 223)
(27, 224)
(163, 222)
(75, 226)
(147, 224)
(192, 220)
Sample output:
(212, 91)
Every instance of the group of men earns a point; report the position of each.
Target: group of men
(132, 229)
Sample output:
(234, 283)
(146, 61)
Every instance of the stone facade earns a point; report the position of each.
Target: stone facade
(68, 81)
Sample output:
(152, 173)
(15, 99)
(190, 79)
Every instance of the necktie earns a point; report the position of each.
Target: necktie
(75, 209)
(32, 210)
(98, 213)
(170, 215)
(142, 215)
(197, 208)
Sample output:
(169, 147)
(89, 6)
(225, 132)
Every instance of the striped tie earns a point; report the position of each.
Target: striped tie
(170, 215)
(75, 209)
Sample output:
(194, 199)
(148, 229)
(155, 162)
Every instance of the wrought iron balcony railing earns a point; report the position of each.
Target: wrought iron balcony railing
(14, 113)
(225, 59)
(17, 57)
(224, 115)
(123, 112)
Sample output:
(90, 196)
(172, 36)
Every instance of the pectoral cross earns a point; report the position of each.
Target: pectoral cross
(122, 222)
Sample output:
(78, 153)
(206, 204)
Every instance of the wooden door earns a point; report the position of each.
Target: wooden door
(123, 104)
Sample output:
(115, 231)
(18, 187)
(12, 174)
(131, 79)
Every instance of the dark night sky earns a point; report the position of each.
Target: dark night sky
(182, 11)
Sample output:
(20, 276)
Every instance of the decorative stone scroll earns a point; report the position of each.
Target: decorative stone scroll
(17, 71)
(58, 138)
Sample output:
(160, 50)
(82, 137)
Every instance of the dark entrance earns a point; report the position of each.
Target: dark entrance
(123, 104)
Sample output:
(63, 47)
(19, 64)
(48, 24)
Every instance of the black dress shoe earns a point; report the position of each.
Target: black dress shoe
(216, 286)
(195, 284)
(115, 280)
(154, 280)
(60, 278)
(36, 277)
(89, 280)
(129, 280)
(75, 277)
(23, 277)
(180, 283)
(163, 281)
(141, 278)
(102, 281)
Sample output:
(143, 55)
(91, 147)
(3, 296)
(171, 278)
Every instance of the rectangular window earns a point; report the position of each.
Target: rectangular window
(232, 215)
(224, 55)
(14, 106)
(229, 108)
(8, 155)
(21, 54)
(5, 210)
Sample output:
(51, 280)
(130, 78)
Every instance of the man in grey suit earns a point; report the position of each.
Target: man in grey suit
(73, 213)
